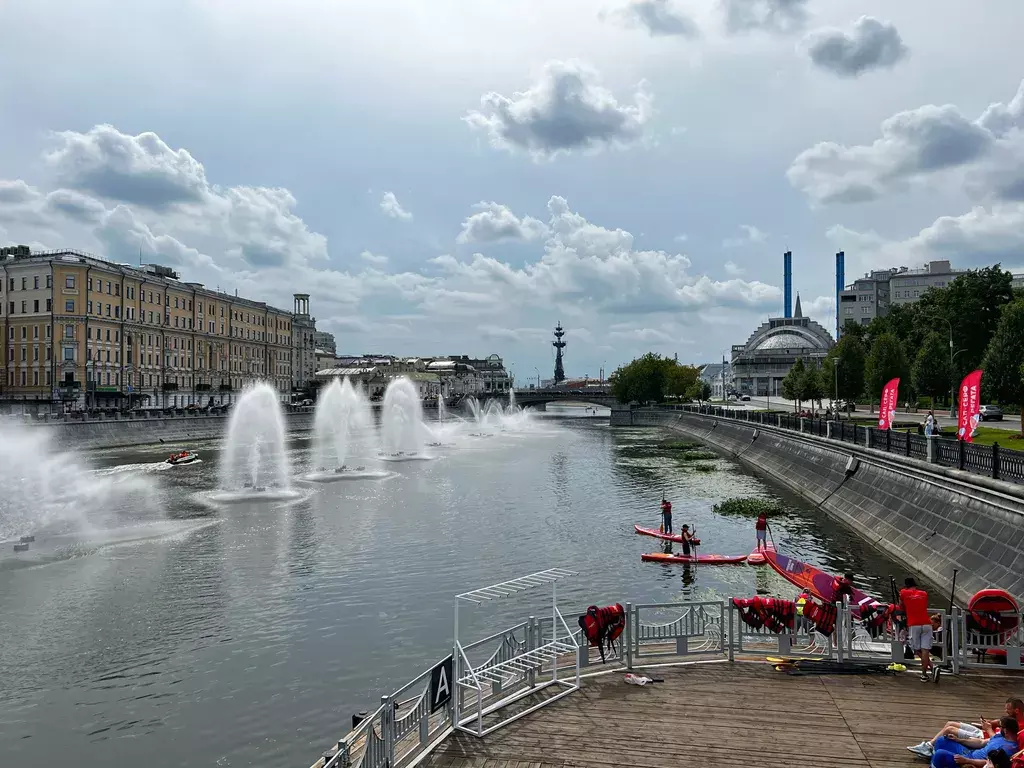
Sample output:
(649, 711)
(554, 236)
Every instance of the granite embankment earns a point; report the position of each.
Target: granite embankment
(930, 518)
(113, 432)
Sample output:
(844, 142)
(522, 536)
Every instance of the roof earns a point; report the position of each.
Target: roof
(346, 371)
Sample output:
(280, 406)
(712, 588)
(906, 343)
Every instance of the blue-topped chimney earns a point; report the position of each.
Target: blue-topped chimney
(840, 284)
(787, 284)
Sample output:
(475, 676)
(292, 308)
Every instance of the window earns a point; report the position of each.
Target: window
(89, 305)
(49, 284)
(108, 287)
(35, 356)
(24, 332)
(35, 331)
(108, 334)
(48, 379)
(69, 306)
(24, 307)
(35, 374)
(24, 283)
(35, 284)
(69, 354)
(69, 281)
(69, 331)
(90, 284)
(49, 305)
(47, 331)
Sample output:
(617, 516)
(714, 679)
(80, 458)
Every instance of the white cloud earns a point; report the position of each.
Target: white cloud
(733, 270)
(774, 16)
(393, 209)
(659, 18)
(749, 235)
(913, 147)
(870, 44)
(373, 258)
(566, 109)
(494, 223)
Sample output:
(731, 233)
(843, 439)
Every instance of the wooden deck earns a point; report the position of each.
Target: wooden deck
(742, 714)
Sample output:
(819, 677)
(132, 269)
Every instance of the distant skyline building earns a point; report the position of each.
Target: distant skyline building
(559, 345)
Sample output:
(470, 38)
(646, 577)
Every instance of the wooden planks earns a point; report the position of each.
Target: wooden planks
(740, 714)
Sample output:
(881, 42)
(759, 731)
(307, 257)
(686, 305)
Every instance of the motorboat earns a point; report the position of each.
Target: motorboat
(185, 457)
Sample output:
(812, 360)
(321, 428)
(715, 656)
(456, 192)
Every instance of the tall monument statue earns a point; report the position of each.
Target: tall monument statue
(559, 345)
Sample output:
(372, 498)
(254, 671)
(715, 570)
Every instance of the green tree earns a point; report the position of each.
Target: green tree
(701, 391)
(931, 373)
(843, 369)
(1002, 365)
(886, 361)
(793, 383)
(814, 386)
(679, 379)
(642, 380)
(855, 329)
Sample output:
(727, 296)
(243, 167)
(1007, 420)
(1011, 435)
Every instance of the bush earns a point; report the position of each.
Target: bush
(747, 507)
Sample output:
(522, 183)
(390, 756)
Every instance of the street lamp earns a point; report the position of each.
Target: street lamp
(538, 376)
(835, 371)
(952, 372)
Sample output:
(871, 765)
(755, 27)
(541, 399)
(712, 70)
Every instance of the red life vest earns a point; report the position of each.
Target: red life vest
(773, 614)
(666, 507)
(821, 615)
(603, 625)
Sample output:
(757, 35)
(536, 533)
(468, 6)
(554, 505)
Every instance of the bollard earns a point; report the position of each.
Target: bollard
(995, 461)
(358, 718)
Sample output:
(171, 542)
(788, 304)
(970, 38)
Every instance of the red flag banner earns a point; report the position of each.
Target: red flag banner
(887, 408)
(969, 406)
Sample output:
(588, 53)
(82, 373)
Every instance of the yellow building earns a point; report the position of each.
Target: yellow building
(87, 333)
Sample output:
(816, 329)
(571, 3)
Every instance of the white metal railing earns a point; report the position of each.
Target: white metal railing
(525, 657)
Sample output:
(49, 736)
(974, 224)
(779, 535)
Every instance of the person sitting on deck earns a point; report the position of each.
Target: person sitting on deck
(842, 587)
(952, 752)
(686, 538)
(981, 730)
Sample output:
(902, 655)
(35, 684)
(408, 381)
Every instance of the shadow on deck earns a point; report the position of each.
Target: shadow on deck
(742, 714)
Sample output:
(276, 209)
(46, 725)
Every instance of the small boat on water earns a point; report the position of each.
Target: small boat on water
(185, 457)
(668, 557)
(757, 556)
(813, 580)
(662, 535)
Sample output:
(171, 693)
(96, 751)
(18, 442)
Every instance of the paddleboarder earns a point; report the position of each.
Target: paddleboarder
(761, 527)
(687, 538)
(666, 515)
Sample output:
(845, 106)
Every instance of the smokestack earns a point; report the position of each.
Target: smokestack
(787, 284)
(840, 284)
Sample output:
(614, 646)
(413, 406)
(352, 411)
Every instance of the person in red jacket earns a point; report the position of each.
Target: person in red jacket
(914, 602)
(761, 527)
(666, 515)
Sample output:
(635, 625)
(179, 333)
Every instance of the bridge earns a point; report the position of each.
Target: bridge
(537, 397)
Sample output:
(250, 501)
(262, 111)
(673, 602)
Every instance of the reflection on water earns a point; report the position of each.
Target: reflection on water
(248, 635)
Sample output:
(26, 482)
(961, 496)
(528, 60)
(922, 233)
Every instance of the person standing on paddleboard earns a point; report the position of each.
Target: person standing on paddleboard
(914, 602)
(761, 527)
(666, 515)
(686, 538)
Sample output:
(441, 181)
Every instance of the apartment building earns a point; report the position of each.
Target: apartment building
(83, 332)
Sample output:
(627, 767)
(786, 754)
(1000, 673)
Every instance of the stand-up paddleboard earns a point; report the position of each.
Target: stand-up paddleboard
(659, 535)
(814, 580)
(757, 556)
(995, 605)
(662, 557)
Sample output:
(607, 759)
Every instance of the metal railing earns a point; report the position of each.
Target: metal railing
(403, 727)
(990, 460)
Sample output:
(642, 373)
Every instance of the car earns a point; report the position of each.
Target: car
(990, 413)
(745, 398)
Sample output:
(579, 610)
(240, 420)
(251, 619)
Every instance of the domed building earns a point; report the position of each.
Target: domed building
(760, 365)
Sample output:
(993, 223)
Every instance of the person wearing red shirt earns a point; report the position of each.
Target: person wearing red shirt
(666, 515)
(983, 729)
(914, 602)
(761, 527)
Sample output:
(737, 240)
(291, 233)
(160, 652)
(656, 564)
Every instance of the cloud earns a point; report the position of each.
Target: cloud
(774, 16)
(373, 258)
(75, 206)
(141, 170)
(681, 238)
(660, 18)
(979, 237)
(393, 209)
(750, 234)
(870, 44)
(914, 144)
(733, 270)
(17, 192)
(125, 238)
(567, 109)
(494, 223)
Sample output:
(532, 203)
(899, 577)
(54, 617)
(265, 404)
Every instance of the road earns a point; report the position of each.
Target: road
(1011, 423)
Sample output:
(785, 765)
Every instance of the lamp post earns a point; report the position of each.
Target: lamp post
(952, 371)
(538, 376)
(835, 371)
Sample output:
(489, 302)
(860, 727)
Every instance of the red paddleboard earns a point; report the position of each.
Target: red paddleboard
(659, 535)
(997, 601)
(814, 580)
(757, 556)
(661, 557)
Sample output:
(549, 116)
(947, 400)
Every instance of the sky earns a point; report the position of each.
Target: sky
(457, 177)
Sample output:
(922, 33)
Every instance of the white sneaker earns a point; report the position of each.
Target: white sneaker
(924, 749)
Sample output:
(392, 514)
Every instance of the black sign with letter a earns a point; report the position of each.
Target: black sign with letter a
(441, 685)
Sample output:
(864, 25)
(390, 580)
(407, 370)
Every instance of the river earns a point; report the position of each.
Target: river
(175, 633)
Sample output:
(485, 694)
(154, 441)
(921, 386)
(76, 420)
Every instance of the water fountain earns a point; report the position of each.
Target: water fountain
(342, 417)
(54, 502)
(402, 427)
(255, 464)
(442, 409)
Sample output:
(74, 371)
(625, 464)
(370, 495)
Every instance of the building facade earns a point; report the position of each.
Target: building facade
(454, 376)
(304, 347)
(871, 296)
(718, 376)
(324, 341)
(760, 365)
(82, 332)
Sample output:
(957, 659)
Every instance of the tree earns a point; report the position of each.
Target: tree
(815, 386)
(931, 373)
(886, 361)
(679, 379)
(793, 383)
(642, 380)
(700, 391)
(843, 369)
(1002, 364)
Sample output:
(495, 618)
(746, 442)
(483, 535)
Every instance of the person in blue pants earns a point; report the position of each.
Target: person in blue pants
(951, 753)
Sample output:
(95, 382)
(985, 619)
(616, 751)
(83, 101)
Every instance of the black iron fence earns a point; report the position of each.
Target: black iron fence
(990, 460)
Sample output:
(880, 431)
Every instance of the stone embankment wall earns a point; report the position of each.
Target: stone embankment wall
(931, 519)
(121, 432)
